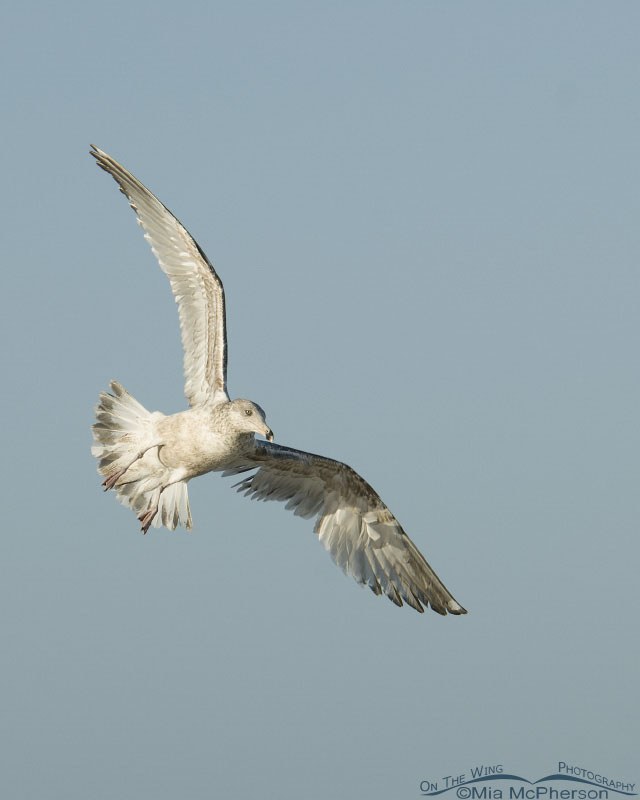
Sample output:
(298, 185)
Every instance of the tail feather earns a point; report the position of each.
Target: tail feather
(173, 507)
(124, 428)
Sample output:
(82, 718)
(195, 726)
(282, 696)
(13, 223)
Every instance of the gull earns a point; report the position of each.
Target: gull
(149, 457)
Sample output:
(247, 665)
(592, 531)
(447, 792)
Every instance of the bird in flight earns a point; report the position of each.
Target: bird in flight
(148, 457)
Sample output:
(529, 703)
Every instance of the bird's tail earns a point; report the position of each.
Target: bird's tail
(123, 431)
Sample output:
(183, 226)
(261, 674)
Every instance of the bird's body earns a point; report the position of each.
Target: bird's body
(142, 454)
(197, 441)
(148, 457)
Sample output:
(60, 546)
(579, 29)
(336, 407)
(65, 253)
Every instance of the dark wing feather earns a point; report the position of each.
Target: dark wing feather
(195, 285)
(352, 522)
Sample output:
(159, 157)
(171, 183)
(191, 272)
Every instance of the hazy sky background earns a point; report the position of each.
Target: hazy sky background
(425, 215)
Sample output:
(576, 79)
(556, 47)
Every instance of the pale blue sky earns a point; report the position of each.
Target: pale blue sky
(425, 215)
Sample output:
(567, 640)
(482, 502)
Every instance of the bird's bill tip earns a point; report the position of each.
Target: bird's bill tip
(269, 435)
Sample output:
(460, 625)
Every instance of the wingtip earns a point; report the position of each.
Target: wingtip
(100, 157)
(455, 608)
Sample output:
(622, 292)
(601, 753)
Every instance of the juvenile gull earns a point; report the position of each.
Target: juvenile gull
(148, 457)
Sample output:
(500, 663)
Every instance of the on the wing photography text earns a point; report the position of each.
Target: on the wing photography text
(478, 784)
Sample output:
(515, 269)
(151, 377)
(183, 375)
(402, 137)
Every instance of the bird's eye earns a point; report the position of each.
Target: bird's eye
(248, 412)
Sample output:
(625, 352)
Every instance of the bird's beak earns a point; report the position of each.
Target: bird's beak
(268, 435)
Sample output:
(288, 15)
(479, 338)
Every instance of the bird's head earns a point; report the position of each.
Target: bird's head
(248, 417)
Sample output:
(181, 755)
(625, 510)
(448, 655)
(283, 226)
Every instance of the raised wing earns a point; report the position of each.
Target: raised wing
(352, 522)
(195, 285)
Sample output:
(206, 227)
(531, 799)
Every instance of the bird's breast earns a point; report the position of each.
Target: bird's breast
(190, 443)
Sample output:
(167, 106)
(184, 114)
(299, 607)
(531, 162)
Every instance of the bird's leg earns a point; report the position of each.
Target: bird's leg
(147, 518)
(111, 480)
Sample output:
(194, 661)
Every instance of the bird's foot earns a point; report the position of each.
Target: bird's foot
(111, 481)
(147, 518)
